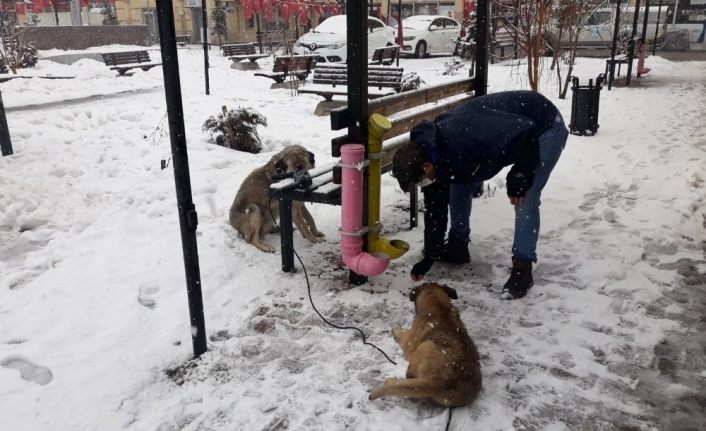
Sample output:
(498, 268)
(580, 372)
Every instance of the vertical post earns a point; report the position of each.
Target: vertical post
(631, 45)
(614, 47)
(75, 12)
(187, 212)
(286, 233)
(481, 81)
(258, 33)
(5, 142)
(644, 22)
(654, 42)
(400, 37)
(641, 48)
(357, 60)
(204, 18)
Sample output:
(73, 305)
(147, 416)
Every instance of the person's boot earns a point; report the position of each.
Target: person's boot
(456, 251)
(520, 279)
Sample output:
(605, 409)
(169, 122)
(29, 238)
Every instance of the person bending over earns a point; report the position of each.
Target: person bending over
(472, 143)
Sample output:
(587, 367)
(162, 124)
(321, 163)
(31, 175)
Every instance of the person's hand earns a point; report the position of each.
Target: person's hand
(421, 268)
(517, 200)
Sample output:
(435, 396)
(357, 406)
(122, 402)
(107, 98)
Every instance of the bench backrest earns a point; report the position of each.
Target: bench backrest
(409, 108)
(127, 57)
(285, 63)
(386, 55)
(504, 37)
(378, 76)
(238, 49)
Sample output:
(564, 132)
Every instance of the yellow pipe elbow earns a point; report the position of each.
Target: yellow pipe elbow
(378, 125)
(392, 248)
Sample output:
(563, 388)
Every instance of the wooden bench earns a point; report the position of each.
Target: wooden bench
(332, 80)
(503, 39)
(386, 56)
(127, 60)
(290, 65)
(404, 111)
(183, 39)
(238, 52)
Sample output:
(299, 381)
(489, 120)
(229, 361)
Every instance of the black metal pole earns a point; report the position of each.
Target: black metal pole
(644, 22)
(614, 47)
(205, 44)
(357, 61)
(631, 45)
(481, 75)
(5, 142)
(400, 40)
(654, 42)
(187, 212)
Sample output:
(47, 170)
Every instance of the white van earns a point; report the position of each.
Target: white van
(600, 24)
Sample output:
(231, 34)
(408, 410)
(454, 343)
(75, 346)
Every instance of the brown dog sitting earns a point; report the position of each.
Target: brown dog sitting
(250, 215)
(443, 361)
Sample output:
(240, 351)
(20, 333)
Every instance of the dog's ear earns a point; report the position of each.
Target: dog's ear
(413, 294)
(450, 292)
(280, 166)
(312, 159)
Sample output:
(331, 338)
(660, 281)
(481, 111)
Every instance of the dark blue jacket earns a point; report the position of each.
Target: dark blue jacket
(474, 141)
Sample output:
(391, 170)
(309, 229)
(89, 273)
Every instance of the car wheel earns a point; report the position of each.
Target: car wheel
(421, 51)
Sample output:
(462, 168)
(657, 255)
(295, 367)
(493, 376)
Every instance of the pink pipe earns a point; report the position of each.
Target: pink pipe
(352, 215)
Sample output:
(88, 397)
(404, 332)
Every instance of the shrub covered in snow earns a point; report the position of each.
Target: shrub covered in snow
(236, 129)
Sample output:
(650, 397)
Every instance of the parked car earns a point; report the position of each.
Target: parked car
(598, 27)
(427, 34)
(328, 39)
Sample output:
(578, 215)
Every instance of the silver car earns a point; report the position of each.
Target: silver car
(328, 39)
(427, 34)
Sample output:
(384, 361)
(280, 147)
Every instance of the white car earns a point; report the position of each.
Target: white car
(328, 39)
(427, 34)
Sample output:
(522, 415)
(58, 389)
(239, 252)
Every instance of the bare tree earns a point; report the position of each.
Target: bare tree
(570, 17)
(528, 21)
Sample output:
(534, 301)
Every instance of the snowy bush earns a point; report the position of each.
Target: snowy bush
(411, 81)
(236, 129)
(15, 52)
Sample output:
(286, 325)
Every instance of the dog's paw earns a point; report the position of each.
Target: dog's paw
(315, 239)
(265, 247)
(318, 233)
(375, 393)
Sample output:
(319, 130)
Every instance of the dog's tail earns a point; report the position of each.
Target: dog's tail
(408, 388)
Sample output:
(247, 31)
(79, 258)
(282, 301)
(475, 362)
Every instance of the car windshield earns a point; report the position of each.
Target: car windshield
(416, 23)
(335, 24)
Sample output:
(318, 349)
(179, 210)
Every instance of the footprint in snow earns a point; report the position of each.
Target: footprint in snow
(28, 371)
(146, 296)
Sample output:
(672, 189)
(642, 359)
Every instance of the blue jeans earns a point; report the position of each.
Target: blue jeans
(460, 204)
(551, 144)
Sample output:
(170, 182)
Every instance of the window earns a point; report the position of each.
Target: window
(374, 25)
(437, 24)
(450, 24)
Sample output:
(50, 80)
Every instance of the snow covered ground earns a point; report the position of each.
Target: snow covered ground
(93, 310)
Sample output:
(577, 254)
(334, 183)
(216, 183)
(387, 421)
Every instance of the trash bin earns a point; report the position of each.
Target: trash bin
(584, 106)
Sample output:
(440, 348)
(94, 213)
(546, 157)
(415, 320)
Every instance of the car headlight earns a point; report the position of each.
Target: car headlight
(337, 45)
(409, 37)
(297, 43)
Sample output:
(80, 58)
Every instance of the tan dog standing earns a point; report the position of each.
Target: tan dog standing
(249, 213)
(443, 361)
